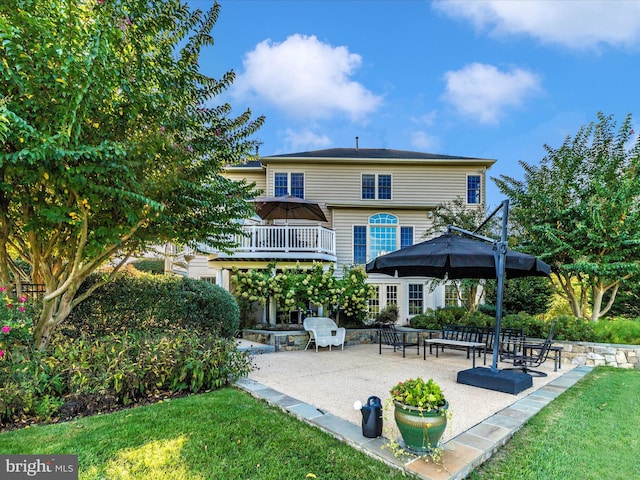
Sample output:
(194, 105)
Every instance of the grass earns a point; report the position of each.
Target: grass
(589, 432)
(220, 434)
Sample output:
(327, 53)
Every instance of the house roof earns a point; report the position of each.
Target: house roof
(369, 153)
(375, 155)
(253, 164)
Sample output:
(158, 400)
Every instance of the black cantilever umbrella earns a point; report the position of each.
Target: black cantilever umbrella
(453, 256)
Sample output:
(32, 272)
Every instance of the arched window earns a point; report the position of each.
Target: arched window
(383, 231)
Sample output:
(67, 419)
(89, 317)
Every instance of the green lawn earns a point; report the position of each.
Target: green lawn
(224, 434)
(590, 432)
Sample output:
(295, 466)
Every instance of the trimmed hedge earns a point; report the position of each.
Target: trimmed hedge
(149, 265)
(146, 302)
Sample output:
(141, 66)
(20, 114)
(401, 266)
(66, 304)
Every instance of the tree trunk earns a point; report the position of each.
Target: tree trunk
(576, 300)
(54, 312)
(598, 293)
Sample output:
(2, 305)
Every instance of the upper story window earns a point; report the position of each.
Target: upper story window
(406, 237)
(288, 184)
(473, 189)
(359, 244)
(376, 186)
(382, 234)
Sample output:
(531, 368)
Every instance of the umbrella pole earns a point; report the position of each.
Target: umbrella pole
(500, 261)
(501, 257)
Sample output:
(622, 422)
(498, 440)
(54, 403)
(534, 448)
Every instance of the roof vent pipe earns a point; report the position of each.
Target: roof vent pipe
(357, 150)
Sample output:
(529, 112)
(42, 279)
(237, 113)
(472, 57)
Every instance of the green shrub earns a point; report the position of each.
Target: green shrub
(387, 315)
(426, 320)
(533, 327)
(572, 328)
(124, 368)
(618, 330)
(436, 319)
(149, 265)
(145, 302)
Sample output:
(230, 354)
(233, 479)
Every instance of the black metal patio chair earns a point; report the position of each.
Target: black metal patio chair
(526, 356)
(390, 337)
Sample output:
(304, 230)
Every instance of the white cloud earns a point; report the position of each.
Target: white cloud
(427, 119)
(422, 140)
(483, 92)
(574, 24)
(299, 141)
(306, 78)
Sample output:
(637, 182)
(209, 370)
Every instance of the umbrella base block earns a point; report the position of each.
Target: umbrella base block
(500, 380)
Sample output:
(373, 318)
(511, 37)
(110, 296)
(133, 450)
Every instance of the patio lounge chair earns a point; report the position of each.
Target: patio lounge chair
(389, 337)
(525, 355)
(324, 332)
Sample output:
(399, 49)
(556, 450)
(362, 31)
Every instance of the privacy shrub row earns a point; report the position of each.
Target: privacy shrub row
(146, 302)
(568, 327)
(121, 368)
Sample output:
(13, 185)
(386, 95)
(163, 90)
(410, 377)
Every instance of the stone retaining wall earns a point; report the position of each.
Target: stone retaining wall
(595, 354)
(580, 353)
(285, 340)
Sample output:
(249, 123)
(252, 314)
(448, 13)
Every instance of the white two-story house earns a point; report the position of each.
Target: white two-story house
(375, 201)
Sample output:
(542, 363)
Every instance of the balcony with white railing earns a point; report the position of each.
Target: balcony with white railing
(282, 241)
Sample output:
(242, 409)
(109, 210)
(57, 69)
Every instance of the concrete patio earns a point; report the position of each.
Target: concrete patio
(321, 388)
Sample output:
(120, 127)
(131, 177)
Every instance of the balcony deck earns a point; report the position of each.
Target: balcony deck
(282, 242)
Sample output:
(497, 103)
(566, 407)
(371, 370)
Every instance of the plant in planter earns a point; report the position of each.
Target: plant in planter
(421, 413)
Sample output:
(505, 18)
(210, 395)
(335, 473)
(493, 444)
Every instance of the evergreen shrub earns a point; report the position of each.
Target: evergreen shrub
(145, 302)
(149, 265)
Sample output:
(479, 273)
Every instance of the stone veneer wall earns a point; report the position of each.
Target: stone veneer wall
(297, 339)
(595, 354)
(580, 353)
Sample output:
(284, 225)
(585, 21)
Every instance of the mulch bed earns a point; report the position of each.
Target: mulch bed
(86, 405)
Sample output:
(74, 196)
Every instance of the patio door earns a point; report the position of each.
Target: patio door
(388, 294)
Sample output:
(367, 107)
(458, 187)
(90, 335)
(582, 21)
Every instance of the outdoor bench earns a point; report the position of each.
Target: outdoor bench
(324, 332)
(459, 337)
(471, 338)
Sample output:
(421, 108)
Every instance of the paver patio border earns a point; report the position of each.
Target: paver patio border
(461, 454)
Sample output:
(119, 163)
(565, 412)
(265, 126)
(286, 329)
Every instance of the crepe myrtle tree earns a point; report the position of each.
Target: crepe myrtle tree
(579, 210)
(111, 140)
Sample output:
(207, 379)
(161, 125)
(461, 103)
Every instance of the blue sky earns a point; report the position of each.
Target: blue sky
(490, 79)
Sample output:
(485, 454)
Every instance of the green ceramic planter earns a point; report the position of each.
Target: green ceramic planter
(420, 430)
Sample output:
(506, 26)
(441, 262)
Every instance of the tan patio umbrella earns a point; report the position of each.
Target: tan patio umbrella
(288, 207)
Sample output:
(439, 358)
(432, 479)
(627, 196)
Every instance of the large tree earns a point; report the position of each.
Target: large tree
(580, 209)
(111, 140)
